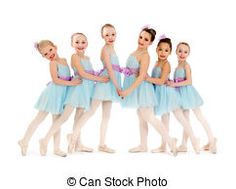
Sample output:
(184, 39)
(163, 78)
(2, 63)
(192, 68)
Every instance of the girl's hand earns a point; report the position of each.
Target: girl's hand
(105, 79)
(171, 83)
(76, 82)
(147, 77)
(123, 93)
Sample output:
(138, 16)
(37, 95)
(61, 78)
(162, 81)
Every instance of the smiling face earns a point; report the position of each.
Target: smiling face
(144, 40)
(49, 52)
(163, 51)
(109, 35)
(79, 42)
(182, 52)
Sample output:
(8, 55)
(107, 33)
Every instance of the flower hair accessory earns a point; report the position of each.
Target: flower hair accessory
(146, 27)
(163, 36)
(36, 45)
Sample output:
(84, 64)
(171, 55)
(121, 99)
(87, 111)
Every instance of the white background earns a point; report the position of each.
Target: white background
(209, 28)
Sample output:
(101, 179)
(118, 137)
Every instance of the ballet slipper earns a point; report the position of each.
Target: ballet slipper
(173, 146)
(60, 153)
(161, 149)
(206, 147)
(212, 146)
(104, 148)
(42, 147)
(138, 149)
(82, 148)
(23, 147)
(182, 148)
(196, 146)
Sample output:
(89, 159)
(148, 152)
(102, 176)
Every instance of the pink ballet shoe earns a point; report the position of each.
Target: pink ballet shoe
(23, 147)
(196, 146)
(60, 153)
(173, 146)
(161, 149)
(182, 148)
(212, 146)
(206, 147)
(104, 148)
(138, 149)
(82, 148)
(42, 147)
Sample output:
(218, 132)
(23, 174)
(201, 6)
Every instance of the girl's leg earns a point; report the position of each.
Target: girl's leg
(57, 139)
(54, 128)
(106, 111)
(183, 146)
(30, 131)
(165, 118)
(203, 121)
(81, 122)
(148, 116)
(79, 146)
(187, 128)
(143, 128)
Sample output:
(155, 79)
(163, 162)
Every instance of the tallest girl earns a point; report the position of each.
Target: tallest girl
(138, 93)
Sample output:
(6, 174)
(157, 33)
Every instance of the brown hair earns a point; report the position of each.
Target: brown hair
(106, 26)
(165, 40)
(151, 31)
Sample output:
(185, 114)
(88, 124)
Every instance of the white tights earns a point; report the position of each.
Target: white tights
(34, 125)
(202, 120)
(146, 115)
(106, 110)
(62, 119)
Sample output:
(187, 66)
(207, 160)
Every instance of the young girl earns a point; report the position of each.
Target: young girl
(140, 94)
(78, 97)
(190, 99)
(168, 99)
(104, 93)
(53, 97)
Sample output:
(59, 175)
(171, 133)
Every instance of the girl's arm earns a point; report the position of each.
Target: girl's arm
(55, 79)
(106, 58)
(144, 63)
(164, 76)
(188, 80)
(75, 60)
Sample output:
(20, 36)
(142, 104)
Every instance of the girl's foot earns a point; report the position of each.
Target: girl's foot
(182, 148)
(212, 146)
(173, 146)
(104, 148)
(196, 146)
(82, 148)
(60, 153)
(161, 149)
(138, 149)
(206, 147)
(23, 147)
(42, 147)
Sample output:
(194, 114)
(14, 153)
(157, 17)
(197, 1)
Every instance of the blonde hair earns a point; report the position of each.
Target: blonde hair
(106, 26)
(183, 43)
(74, 34)
(42, 44)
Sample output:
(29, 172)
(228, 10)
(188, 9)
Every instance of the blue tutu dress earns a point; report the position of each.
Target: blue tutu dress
(80, 96)
(168, 99)
(107, 91)
(52, 98)
(143, 95)
(188, 94)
